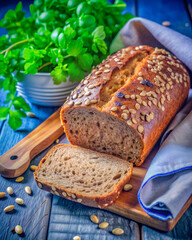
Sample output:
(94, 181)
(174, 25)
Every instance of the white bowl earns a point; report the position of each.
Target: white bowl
(39, 89)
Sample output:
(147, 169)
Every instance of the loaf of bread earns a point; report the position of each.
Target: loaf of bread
(78, 174)
(123, 106)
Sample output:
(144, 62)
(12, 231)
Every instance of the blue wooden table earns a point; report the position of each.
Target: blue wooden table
(49, 217)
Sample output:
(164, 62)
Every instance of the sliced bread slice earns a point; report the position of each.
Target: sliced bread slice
(82, 175)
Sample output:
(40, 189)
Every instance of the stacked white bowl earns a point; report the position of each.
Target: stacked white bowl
(39, 89)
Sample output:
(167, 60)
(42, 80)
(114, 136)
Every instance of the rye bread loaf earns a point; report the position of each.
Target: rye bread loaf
(79, 174)
(125, 103)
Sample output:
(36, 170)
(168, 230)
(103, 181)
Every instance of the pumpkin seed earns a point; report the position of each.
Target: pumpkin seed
(76, 238)
(103, 225)
(33, 167)
(9, 208)
(19, 179)
(19, 201)
(2, 194)
(94, 219)
(10, 190)
(31, 114)
(18, 229)
(118, 231)
(28, 190)
(127, 187)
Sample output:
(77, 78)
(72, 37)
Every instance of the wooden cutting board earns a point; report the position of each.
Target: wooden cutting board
(15, 161)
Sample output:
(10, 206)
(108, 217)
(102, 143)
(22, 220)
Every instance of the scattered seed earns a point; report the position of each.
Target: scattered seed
(70, 103)
(133, 111)
(143, 93)
(64, 194)
(56, 193)
(140, 89)
(87, 93)
(113, 109)
(140, 128)
(127, 187)
(19, 179)
(39, 185)
(151, 115)
(78, 103)
(137, 106)
(103, 225)
(76, 238)
(166, 23)
(91, 86)
(124, 116)
(168, 97)
(149, 103)
(73, 195)
(107, 71)
(144, 103)
(148, 118)
(57, 141)
(94, 219)
(87, 102)
(19, 201)
(133, 96)
(139, 100)
(75, 96)
(28, 190)
(31, 114)
(129, 122)
(18, 229)
(10, 190)
(134, 120)
(126, 111)
(9, 208)
(2, 194)
(118, 231)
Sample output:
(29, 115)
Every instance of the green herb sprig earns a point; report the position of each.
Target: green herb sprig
(63, 37)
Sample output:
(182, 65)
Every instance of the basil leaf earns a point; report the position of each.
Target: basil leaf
(14, 121)
(85, 61)
(3, 113)
(75, 47)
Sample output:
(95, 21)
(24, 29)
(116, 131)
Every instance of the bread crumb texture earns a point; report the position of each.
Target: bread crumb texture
(125, 103)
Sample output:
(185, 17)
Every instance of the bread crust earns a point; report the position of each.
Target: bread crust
(160, 99)
(94, 201)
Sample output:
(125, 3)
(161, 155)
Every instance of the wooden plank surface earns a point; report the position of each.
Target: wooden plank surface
(173, 11)
(34, 215)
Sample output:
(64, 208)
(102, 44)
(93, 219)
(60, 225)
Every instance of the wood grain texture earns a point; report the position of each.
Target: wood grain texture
(65, 213)
(37, 206)
(173, 11)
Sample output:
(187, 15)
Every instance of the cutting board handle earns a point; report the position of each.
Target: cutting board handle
(15, 161)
